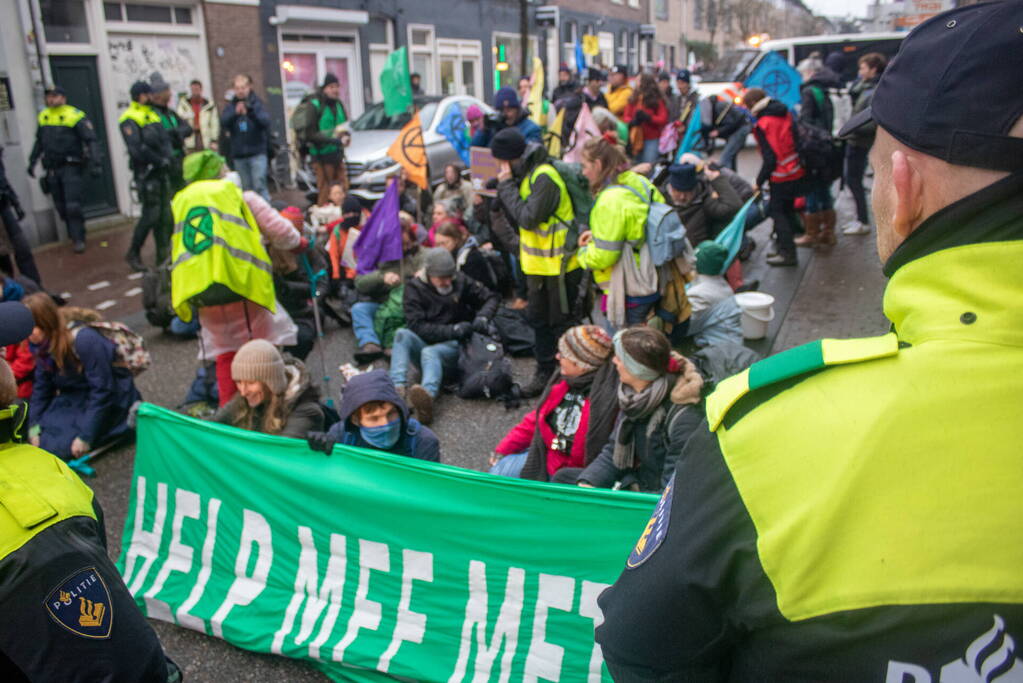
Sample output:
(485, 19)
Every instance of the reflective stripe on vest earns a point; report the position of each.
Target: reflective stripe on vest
(37, 490)
(216, 242)
(778, 132)
(141, 114)
(542, 249)
(65, 115)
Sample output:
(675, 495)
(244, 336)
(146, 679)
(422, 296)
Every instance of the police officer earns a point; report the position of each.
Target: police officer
(66, 141)
(151, 159)
(853, 512)
(67, 615)
(177, 130)
(11, 212)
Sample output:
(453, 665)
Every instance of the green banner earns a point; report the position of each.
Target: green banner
(395, 83)
(370, 564)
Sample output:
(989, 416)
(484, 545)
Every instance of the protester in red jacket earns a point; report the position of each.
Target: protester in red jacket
(23, 365)
(575, 415)
(647, 110)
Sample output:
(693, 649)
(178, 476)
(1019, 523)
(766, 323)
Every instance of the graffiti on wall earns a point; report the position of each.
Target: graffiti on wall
(136, 58)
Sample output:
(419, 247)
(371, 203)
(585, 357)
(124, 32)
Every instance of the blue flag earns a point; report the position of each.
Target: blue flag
(692, 134)
(580, 57)
(731, 237)
(380, 239)
(452, 127)
(777, 78)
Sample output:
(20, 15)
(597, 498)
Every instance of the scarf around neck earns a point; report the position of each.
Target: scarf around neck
(637, 406)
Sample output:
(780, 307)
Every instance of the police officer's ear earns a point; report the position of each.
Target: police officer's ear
(908, 206)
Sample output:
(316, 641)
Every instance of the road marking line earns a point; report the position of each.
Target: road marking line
(102, 306)
(135, 276)
(98, 285)
(134, 291)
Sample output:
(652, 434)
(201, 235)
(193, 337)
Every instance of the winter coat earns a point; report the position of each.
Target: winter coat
(715, 204)
(862, 93)
(371, 286)
(248, 132)
(90, 401)
(526, 126)
(23, 365)
(618, 98)
(594, 102)
(544, 195)
(390, 317)
(433, 316)
(302, 409)
(707, 291)
(462, 193)
(725, 117)
(208, 130)
(656, 119)
(416, 441)
(564, 90)
(521, 435)
(815, 105)
(773, 132)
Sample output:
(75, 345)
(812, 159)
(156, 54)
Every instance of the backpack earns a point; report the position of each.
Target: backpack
(664, 231)
(156, 296)
(515, 332)
(819, 153)
(304, 116)
(129, 347)
(579, 194)
(485, 371)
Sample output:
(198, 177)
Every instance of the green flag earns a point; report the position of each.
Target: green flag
(372, 566)
(395, 83)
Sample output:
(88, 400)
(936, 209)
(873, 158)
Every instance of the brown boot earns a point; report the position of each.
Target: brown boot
(812, 223)
(827, 226)
(421, 402)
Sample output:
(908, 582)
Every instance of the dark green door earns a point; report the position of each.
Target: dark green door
(78, 77)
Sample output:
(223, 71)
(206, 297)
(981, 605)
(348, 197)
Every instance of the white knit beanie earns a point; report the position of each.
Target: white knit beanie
(260, 361)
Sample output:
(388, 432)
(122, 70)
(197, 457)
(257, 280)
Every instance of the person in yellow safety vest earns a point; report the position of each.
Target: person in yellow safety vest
(67, 614)
(618, 217)
(150, 158)
(66, 141)
(852, 511)
(536, 199)
(220, 266)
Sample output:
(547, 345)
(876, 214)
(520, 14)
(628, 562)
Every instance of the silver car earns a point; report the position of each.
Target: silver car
(369, 166)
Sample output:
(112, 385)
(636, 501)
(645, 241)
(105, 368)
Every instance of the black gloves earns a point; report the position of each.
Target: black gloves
(462, 330)
(31, 171)
(320, 441)
(491, 184)
(640, 117)
(481, 324)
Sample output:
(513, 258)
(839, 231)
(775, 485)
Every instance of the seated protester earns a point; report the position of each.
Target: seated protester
(758, 210)
(575, 414)
(291, 284)
(469, 260)
(443, 212)
(454, 189)
(706, 202)
(338, 234)
(80, 399)
(18, 355)
(716, 316)
(510, 114)
(442, 308)
(374, 288)
(658, 410)
(374, 416)
(324, 215)
(275, 396)
(408, 222)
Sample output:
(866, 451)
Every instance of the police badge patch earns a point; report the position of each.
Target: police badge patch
(656, 529)
(81, 604)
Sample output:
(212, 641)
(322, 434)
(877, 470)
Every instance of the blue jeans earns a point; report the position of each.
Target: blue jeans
(733, 145)
(183, 329)
(510, 465)
(432, 359)
(819, 197)
(649, 153)
(253, 172)
(362, 323)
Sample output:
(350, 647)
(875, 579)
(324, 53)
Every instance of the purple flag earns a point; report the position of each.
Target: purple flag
(380, 239)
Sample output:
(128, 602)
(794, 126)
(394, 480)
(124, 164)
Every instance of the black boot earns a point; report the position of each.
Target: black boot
(134, 260)
(536, 385)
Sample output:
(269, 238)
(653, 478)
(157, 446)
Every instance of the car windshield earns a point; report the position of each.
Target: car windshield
(374, 117)
(731, 67)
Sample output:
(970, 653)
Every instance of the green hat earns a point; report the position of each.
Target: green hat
(203, 165)
(711, 258)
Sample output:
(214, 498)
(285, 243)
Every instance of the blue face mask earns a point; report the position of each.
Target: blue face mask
(383, 436)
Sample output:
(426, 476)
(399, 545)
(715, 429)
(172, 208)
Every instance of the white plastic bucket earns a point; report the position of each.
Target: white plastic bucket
(757, 313)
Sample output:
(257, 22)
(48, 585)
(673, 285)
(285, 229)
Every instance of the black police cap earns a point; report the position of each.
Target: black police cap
(952, 91)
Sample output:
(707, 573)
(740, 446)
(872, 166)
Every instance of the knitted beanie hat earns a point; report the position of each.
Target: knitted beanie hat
(259, 361)
(711, 258)
(439, 263)
(508, 144)
(294, 214)
(588, 346)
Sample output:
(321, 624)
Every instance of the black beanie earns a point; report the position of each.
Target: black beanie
(329, 79)
(508, 145)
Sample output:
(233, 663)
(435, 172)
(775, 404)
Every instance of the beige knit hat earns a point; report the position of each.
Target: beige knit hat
(588, 346)
(259, 361)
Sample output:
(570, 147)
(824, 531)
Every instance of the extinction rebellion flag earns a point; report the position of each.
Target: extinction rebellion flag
(370, 565)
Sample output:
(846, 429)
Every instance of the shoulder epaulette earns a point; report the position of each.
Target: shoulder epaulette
(793, 363)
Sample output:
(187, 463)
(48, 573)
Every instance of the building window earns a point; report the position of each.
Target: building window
(633, 3)
(64, 21)
(661, 9)
(421, 56)
(460, 67)
(623, 47)
(152, 14)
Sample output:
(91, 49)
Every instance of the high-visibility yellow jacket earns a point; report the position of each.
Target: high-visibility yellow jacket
(542, 250)
(217, 251)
